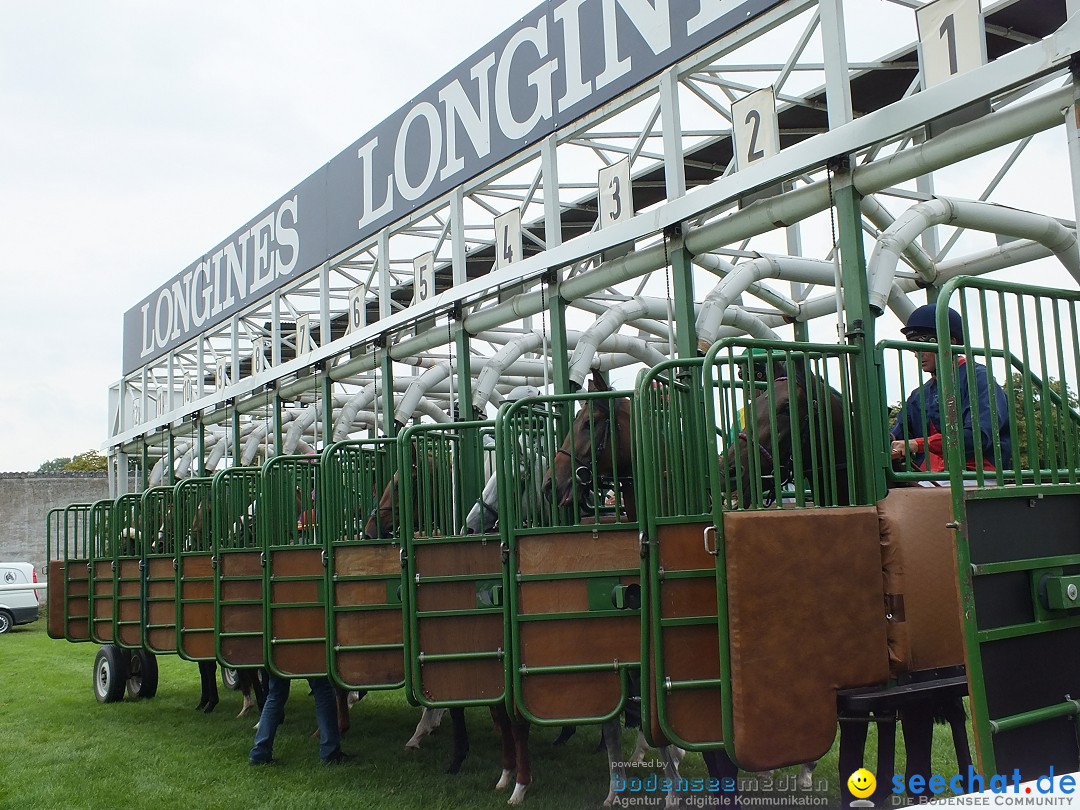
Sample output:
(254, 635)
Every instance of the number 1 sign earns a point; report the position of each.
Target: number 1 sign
(951, 39)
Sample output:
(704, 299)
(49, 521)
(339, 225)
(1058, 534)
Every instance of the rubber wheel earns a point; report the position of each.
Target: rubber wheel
(230, 678)
(110, 674)
(6, 622)
(142, 676)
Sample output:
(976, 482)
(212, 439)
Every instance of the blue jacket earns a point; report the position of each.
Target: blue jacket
(909, 423)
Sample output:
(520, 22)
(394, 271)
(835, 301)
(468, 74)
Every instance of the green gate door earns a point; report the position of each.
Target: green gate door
(295, 584)
(1017, 545)
(128, 543)
(102, 565)
(159, 583)
(573, 556)
(193, 530)
(238, 572)
(458, 631)
(69, 574)
(364, 621)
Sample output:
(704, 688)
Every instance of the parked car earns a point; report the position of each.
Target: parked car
(17, 606)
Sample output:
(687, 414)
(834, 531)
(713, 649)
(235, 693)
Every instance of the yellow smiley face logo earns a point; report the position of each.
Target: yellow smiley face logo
(861, 783)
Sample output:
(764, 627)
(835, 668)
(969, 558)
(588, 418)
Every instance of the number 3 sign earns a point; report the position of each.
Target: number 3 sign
(951, 39)
(756, 131)
(616, 196)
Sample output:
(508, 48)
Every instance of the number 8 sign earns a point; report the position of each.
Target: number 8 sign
(755, 128)
(951, 39)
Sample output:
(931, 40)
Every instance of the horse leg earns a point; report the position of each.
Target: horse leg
(244, 679)
(208, 674)
(723, 770)
(521, 755)
(953, 712)
(429, 721)
(461, 739)
(641, 748)
(565, 734)
(203, 689)
(917, 722)
(611, 737)
(671, 756)
(501, 719)
(806, 775)
(342, 698)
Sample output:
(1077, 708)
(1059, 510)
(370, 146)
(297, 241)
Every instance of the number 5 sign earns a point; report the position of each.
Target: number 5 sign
(755, 128)
(616, 196)
(423, 277)
(951, 39)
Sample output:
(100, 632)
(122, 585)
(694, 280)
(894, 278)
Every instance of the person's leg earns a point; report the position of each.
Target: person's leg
(326, 715)
(269, 720)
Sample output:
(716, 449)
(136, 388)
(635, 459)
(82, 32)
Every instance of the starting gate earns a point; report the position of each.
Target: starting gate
(159, 570)
(238, 568)
(192, 530)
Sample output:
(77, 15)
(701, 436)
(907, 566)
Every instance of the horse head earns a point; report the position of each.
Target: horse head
(383, 518)
(597, 448)
(765, 446)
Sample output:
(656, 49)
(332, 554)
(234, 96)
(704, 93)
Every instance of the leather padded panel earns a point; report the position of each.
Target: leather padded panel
(919, 570)
(806, 619)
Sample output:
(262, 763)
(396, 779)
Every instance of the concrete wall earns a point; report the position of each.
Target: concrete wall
(25, 500)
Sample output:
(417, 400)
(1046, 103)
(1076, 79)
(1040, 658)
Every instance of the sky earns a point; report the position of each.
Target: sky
(135, 135)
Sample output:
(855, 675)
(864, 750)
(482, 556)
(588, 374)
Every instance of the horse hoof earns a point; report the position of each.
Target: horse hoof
(565, 735)
(806, 780)
(610, 800)
(455, 765)
(210, 707)
(201, 706)
(504, 780)
(518, 796)
(412, 745)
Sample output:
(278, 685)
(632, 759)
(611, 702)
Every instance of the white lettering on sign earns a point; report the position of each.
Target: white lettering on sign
(357, 307)
(264, 252)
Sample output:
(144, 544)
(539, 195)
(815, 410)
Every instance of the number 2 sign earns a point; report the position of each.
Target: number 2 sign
(951, 39)
(755, 127)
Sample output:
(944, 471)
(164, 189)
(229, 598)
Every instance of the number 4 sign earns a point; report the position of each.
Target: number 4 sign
(507, 238)
(951, 39)
(755, 127)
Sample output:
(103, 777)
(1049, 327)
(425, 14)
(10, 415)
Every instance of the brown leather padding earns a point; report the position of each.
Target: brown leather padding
(804, 601)
(54, 599)
(241, 609)
(102, 603)
(919, 571)
(160, 605)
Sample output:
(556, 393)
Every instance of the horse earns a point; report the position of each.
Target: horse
(596, 457)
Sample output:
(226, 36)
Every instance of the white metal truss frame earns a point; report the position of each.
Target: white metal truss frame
(644, 125)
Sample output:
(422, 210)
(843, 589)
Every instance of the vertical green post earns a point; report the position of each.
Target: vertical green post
(236, 449)
(279, 433)
(200, 430)
(172, 458)
(386, 378)
(870, 477)
(560, 364)
(472, 473)
(144, 463)
(328, 407)
(682, 282)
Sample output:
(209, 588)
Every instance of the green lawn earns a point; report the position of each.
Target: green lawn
(60, 748)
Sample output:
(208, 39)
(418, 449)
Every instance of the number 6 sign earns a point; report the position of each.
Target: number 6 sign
(951, 39)
(755, 128)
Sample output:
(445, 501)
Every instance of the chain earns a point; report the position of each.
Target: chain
(670, 302)
(543, 331)
(837, 275)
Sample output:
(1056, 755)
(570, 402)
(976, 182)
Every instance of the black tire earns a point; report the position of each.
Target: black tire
(7, 621)
(230, 678)
(142, 676)
(110, 674)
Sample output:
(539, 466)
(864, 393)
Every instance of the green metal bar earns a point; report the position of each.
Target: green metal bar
(558, 353)
(1070, 708)
(682, 272)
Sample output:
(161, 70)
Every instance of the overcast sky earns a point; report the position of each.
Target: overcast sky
(135, 135)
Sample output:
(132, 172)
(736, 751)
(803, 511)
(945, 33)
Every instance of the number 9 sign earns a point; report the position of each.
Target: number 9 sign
(755, 128)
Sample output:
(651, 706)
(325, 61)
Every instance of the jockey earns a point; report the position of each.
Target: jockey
(919, 434)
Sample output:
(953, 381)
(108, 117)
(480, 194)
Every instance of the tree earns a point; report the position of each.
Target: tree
(90, 461)
(54, 465)
(1055, 402)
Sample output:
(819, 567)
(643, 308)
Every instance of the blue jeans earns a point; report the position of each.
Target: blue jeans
(274, 711)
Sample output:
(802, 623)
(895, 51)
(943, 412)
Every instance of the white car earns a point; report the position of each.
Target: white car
(17, 606)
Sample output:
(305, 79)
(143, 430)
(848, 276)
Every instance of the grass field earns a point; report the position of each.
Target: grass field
(60, 748)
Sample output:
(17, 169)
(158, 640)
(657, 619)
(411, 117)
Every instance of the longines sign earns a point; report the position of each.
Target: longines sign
(560, 61)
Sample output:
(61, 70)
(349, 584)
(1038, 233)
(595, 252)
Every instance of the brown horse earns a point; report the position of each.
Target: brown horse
(595, 456)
